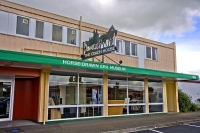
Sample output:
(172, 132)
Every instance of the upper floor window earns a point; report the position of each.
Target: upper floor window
(57, 33)
(133, 49)
(71, 36)
(127, 48)
(130, 48)
(39, 29)
(22, 26)
(119, 46)
(151, 53)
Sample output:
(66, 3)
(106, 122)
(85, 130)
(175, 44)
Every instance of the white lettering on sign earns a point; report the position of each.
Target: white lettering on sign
(117, 68)
(97, 52)
(93, 65)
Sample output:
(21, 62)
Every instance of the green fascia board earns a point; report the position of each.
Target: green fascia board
(58, 61)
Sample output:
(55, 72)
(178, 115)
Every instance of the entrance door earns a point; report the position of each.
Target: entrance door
(6, 99)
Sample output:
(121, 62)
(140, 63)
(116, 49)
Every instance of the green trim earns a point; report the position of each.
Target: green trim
(51, 60)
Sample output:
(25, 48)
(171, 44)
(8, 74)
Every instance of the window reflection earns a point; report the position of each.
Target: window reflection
(155, 97)
(91, 89)
(126, 91)
(73, 91)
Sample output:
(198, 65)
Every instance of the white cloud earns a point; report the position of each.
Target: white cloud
(144, 18)
(188, 59)
(149, 19)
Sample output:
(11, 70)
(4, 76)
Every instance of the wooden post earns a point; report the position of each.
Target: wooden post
(43, 95)
(105, 94)
(165, 109)
(176, 96)
(146, 95)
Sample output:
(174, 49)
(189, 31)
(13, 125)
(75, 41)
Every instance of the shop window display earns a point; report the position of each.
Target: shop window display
(155, 97)
(75, 95)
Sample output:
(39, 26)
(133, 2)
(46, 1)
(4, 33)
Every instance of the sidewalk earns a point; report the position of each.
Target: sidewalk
(111, 125)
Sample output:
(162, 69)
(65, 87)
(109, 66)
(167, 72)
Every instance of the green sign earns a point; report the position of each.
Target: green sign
(92, 65)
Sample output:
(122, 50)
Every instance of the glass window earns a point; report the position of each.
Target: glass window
(128, 95)
(119, 46)
(63, 89)
(136, 96)
(127, 47)
(57, 33)
(154, 53)
(39, 29)
(148, 52)
(151, 53)
(117, 88)
(155, 97)
(90, 89)
(62, 113)
(5, 90)
(91, 95)
(117, 94)
(133, 49)
(22, 26)
(71, 36)
(77, 96)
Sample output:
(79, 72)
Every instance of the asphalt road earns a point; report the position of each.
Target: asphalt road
(185, 128)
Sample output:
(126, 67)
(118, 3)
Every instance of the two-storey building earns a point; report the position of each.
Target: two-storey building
(44, 78)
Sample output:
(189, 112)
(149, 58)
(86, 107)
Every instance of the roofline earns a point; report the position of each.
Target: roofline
(17, 6)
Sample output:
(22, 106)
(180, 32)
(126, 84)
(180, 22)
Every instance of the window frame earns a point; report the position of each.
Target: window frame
(125, 48)
(156, 54)
(75, 36)
(52, 33)
(21, 35)
(43, 29)
(120, 46)
(135, 49)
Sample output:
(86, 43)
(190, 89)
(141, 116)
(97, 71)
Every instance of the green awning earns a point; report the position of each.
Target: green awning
(58, 61)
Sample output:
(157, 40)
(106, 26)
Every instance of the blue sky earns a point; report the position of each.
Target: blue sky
(188, 48)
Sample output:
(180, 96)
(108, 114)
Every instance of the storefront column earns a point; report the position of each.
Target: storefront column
(43, 95)
(146, 95)
(176, 97)
(105, 95)
(165, 109)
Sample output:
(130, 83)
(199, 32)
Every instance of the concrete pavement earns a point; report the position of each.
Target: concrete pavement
(110, 125)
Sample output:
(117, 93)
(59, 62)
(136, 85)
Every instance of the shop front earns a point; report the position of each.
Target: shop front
(79, 94)
(19, 89)
(67, 89)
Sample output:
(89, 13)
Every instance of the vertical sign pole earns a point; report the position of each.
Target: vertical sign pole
(102, 58)
(83, 48)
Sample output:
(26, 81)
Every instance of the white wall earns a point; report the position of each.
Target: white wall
(141, 55)
(8, 23)
(3, 22)
(32, 28)
(12, 23)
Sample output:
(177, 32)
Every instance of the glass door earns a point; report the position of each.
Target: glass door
(6, 99)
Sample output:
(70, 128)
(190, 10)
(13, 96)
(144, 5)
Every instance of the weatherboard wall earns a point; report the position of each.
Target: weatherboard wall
(10, 41)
